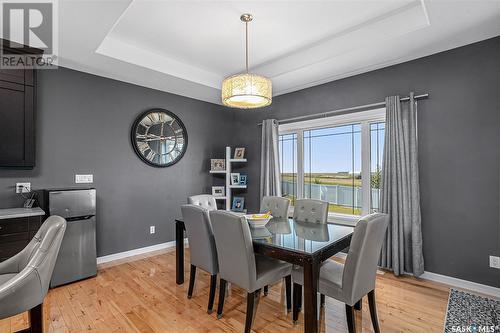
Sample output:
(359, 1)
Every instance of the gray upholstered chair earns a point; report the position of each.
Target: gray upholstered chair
(202, 251)
(278, 206)
(350, 282)
(239, 265)
(206, 201)
(25, 278)
(310, 210)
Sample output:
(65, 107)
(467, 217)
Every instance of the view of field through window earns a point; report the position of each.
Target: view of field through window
(332, 166)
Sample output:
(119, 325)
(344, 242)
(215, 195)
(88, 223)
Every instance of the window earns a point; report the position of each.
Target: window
(377, 133)
(288, 163)
(336, 159)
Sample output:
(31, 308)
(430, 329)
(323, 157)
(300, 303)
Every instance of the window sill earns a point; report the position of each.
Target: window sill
(347, 220)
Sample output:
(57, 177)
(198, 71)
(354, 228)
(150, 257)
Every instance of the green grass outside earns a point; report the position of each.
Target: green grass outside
(326, 178)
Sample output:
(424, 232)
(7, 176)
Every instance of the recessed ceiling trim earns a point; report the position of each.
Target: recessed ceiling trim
(411, 17)
(117, 49)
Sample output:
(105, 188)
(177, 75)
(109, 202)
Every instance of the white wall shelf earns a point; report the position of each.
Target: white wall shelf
(227, 172)
(238, 186)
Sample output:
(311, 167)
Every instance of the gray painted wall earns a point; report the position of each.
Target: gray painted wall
(83, 126)
(459, 138)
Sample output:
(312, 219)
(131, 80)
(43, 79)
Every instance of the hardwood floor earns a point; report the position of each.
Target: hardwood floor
(140, 295)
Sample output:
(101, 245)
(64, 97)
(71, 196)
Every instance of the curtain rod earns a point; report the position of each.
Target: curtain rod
(354, 108)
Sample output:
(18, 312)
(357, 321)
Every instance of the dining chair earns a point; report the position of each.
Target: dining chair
(278, 206)
(351, 281)
(202, 251)
(25, 277)
(206, 201)
(238, 263)
(310, 210)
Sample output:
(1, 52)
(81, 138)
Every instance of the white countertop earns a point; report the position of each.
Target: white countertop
(12, 213)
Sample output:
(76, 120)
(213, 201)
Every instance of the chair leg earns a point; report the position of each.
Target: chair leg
(252, 302)
(211, 295)
(322, 300)
(373, 311)
(351, 320)
(288, 291)
(222, 295)
(359, 305)
(297, 299)
(266, 290)
(36, 319)
(192, 277)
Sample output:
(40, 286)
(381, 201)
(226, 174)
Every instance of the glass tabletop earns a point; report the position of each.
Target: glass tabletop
(306, 237)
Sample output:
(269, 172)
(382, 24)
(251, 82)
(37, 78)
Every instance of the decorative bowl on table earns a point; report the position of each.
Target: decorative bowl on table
(258, 220)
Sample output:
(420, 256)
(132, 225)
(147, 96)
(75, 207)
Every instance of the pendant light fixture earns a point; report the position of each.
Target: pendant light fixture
(246, 90)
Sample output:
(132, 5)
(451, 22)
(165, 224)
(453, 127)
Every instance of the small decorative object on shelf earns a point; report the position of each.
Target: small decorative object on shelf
(243, 178)
(217, 164)
(235, 178)
(239, 153)
(218, 191)
(238, 204)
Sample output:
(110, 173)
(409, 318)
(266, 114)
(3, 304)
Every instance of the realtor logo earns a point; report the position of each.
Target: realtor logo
(28, 25)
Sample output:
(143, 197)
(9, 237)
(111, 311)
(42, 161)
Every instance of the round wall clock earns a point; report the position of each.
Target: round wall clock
(159, 138)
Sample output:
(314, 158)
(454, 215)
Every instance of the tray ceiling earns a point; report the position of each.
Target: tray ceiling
(188, 47)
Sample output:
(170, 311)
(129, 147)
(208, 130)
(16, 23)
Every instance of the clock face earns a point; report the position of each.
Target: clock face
(159, 138)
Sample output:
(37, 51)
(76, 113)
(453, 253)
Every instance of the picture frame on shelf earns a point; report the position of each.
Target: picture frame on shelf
(239, 153)
(238, 204)
(243, 178)
(217, 164)
(235, 178)
(218, 191)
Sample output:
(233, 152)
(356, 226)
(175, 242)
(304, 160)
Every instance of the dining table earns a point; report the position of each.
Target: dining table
(306, 244)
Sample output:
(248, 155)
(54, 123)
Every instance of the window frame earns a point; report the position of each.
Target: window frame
(365, 119)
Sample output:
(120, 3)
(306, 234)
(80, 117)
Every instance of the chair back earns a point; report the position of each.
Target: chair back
(202, 251)
(34, 266)
(311, 210)
(278, 206)
(234, 248)
(364, 252)
(206, 201)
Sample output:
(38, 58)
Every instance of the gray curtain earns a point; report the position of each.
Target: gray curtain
(400, 193)
(270, 179)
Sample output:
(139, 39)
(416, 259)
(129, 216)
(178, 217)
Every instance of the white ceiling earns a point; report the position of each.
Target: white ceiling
(188, 47)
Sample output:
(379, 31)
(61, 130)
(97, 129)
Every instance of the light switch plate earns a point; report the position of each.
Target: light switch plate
(494, 262)
(84, 179)
(23, 187)
(152, 229)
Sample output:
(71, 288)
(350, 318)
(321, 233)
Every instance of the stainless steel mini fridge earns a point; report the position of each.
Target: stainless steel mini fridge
(77, 256)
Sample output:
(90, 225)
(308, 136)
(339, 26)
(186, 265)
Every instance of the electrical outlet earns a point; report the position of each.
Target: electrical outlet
(152, 229)
(84, 179)
(23, 187)
(494, 262)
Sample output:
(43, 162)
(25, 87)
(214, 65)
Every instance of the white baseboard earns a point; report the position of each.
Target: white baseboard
(134, 252)
(462, 284)
(451, 281)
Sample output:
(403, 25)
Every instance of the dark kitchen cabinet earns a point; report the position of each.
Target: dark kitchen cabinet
(17, 117)
(16, 233)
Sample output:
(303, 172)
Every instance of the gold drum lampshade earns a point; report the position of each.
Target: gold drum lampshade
(246, 91)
